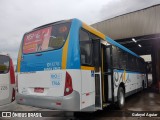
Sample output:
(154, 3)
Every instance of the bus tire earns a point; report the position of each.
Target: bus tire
(120, 98)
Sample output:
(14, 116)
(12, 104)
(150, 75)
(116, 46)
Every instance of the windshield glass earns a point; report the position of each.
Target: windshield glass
(4, 64)
(48, 38)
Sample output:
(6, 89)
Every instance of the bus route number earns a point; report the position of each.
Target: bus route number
(56, 79)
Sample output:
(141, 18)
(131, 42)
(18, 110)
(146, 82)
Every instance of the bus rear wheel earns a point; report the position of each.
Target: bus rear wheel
(120, 98)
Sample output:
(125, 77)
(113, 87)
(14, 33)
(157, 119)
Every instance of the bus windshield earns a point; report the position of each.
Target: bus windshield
(4, 64)
(47, 38)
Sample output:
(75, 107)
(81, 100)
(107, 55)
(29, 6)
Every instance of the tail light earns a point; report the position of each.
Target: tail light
(13, 95)
(12, 75)
(68, 85)
(12, 79)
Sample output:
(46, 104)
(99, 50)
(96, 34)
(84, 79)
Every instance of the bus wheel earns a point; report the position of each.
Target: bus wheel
(120, 98)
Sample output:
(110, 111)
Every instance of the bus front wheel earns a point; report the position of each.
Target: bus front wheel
(120, 98)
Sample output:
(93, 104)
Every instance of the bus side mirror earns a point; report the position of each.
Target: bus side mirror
(55, 42)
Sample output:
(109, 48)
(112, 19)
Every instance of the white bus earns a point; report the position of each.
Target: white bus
(7, 82)
(70, 66)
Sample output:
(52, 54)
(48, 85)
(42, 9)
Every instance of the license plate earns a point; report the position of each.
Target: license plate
(39, 90)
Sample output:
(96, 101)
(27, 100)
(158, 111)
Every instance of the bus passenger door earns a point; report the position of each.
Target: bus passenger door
(97, 65)
(107, 72)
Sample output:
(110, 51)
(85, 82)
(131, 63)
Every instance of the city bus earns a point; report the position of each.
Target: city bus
(7, 81)
(70, 66)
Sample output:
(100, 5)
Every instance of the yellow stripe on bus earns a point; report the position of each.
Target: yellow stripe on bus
(87, 68)
(65, 53)
(19, 59)
(94, 31)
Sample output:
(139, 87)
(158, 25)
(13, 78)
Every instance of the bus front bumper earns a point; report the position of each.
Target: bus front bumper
(66, 103)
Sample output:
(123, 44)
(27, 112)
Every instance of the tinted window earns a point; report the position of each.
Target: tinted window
(124, 59)
(137, 64)
(108, 58)
(130, 62)
(120, 58)
(133, 62)
(48, 38)
(96, 56)
(4, 64)
(85, 48)
(115, 57)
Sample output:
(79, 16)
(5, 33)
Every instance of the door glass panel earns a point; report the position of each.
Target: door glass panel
(98, 92)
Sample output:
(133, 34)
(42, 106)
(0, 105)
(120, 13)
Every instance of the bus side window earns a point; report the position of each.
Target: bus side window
(107, 67)
(137, 64)
(124, 60)
(115, 54)
(119, 58)
(96, 51)
(85, 48)
(134, 63)
(130, 64)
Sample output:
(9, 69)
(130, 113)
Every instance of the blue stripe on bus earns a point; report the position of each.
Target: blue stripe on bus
(120, 46)
(73, 58)
(121, 71)
(31, 62)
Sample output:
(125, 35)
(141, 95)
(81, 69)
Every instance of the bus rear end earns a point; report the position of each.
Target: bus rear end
(7, 80)
(42, 78)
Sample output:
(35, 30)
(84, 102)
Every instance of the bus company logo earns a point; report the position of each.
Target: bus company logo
(116, 79)
(21, 114)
